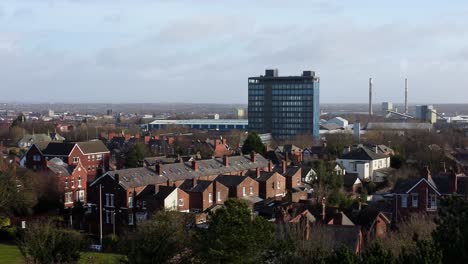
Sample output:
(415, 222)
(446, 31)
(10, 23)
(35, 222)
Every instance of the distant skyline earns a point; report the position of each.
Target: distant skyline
(86, 51)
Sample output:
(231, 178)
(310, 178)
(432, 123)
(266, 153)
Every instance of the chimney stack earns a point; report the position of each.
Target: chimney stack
(257, 172)
(370, 97)
(427, 173)
(226, 161)
(253, 157)
(270, 166)
(452, 182)
(406, 95)
(194, 165)
(284, 166)
(323, 209)
(159, 168)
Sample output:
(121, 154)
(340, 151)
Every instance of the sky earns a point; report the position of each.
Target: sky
(203, 51)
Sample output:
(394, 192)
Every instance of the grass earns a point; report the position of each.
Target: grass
(10, 254)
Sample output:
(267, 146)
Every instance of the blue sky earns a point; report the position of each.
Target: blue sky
(203, 51)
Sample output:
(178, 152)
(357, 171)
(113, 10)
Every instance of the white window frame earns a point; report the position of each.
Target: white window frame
(76, 159)
(130, 202)
(66, 184)
(243, 191)
(112, 200)
(107, 217)
(37, 158)
(219, 196)
(130, 219)
(68, 197)
(210, 198)
(432, 203)
(79, 182)
(143, 205)
(80, 196)
(107, 199)
(414, 200)
(404, 201)
(278, 185)
(99, 157)
(251, 190)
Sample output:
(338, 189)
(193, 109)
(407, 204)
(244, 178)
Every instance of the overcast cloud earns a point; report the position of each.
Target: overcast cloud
(204, 51)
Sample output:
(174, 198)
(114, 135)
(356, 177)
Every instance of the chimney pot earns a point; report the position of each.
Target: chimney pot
(253, 157)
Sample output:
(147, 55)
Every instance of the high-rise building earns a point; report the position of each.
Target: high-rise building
(386, 106)
(285, 106)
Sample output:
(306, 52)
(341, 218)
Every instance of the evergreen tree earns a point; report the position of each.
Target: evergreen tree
(253, 143)
(234, 235)
(424, 253)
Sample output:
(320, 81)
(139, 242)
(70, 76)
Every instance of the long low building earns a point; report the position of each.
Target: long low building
(215, 124)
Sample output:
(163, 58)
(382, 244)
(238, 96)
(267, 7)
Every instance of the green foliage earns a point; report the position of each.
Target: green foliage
(451, 233)
(44, 243)
(397, 161)
(340, 199)
(344, 255)
(157, 240)
(424, 253)
(337, 142)
(376, 254)
(253, 143)
(234, 235)
(135, 155)
(13, 201)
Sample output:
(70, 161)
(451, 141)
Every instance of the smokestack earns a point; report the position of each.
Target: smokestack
(370, 97)
(406, 95)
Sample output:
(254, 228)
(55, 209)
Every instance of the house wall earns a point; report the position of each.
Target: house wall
(30, 163)
(171, 201)
(70, 183)
(294, 180)
(269, 188)
(422, 191)
(223, 192)
(185, 197)
(247, 183)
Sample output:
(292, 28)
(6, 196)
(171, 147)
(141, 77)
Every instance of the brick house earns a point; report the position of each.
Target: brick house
(271, 185)
(93, 155)
(71, 181)
(293, 176)
(122, 194)
(239, 186)
(169, 198)
(422, 195)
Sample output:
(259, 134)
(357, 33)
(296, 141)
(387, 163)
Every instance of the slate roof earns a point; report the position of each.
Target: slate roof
(230, 180)
(201, 186)
(349, 179)
(136, 177)
(151, 161)
(404, 185)
(164, 192)
(58, 149)
(264, 176)
(362, 153)
(333, 237)
(57, 166)
(35, 138)
(211, 167)
(94, 146)
(291, 171)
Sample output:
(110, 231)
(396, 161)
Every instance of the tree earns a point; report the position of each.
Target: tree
(343, 255)
(376, 254)
(44, 243)
(234, 235)
(159, 239)
(135, 155)
(424, 253)
(451, 233)
(253, 143)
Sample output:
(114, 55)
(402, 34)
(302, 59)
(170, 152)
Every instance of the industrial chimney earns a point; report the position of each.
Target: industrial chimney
(406, 95)
(370, 97)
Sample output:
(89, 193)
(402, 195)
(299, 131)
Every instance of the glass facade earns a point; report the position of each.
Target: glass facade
(284, 106)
